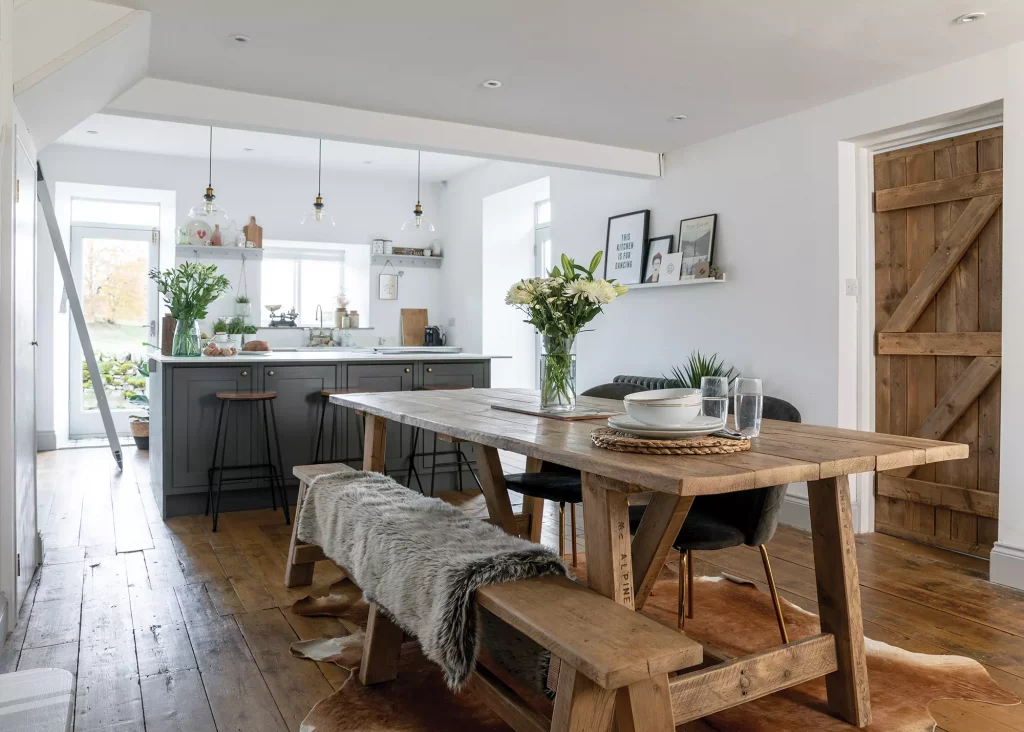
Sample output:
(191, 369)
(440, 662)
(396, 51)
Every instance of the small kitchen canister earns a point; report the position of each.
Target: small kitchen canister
(353, 319)
(377, 247)
(389, 246)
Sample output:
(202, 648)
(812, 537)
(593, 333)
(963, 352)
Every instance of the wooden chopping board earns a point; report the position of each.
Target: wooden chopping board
(414, 324)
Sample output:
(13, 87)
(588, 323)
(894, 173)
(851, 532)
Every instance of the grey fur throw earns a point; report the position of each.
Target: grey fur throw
(421, 560)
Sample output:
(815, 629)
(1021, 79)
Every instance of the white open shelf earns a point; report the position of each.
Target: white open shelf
(678, 283)
(190, 252)
(407, 260)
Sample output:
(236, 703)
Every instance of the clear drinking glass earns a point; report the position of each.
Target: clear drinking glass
(714, 392)
(749, 405)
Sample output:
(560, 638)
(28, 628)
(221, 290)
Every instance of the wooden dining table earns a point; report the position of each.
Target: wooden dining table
(625, 569)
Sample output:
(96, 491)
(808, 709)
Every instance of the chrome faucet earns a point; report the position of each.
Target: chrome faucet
(320, 339)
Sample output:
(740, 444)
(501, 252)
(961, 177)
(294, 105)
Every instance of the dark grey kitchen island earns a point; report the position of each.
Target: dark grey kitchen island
(184, 409)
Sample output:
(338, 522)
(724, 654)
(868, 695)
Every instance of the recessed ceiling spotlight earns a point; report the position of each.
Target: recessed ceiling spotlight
(367, 162)
(678, 117)
(92, 132)
(239, 38)
(247, 149)
(491, 84)
(968, 18)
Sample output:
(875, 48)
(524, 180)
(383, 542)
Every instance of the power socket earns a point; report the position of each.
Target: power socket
(852, 288)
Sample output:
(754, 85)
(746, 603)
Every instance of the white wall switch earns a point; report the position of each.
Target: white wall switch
(451, 322)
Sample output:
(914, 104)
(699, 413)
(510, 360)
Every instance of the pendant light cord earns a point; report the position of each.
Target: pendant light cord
(319, 167)
(418, 159)
(211, 158)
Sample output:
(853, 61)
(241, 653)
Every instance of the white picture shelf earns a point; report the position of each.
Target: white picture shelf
(406, 260)
(679, 283)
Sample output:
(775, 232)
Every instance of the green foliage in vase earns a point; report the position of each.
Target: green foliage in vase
(688, 375)
(190, 289)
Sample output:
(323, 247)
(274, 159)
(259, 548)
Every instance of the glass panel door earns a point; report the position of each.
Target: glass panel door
(111, 267)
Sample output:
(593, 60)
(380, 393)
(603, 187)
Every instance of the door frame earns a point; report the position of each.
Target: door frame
(80, 230)
(857, 249)
(55, 352)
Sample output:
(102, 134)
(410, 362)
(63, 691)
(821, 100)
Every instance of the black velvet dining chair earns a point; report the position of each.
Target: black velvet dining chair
(727, 520)
(560, 484)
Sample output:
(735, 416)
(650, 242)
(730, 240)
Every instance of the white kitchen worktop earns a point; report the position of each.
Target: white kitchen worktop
(332, 355)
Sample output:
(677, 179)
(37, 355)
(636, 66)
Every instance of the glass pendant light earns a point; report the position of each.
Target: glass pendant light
(317, 216)
(419, 222)
(206, 216)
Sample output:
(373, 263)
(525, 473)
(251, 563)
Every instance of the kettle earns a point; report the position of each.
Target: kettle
(433, 336)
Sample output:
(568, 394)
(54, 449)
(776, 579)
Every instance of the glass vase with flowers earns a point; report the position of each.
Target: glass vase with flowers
(559, 306)
(189, 289)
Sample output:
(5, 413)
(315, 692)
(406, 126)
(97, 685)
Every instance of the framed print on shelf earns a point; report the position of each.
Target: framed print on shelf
(624, 247)
(658, 249)
(387, 288)
(697, 243)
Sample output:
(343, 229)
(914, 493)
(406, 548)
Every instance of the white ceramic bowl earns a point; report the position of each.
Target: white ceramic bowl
(664, 407)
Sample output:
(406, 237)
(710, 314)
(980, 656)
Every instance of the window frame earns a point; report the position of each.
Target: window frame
(298, 252)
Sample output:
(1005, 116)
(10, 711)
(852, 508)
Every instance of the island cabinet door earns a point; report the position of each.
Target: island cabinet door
(297, 408)
(456, 375)
(194, 411)
(378, 377)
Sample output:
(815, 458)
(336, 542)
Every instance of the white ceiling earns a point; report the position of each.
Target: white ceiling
(174, 138)
(603, 71)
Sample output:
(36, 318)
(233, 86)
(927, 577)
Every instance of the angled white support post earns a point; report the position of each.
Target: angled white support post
(78, 314)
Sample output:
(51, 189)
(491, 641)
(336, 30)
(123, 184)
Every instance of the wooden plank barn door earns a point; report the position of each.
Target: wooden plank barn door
(938, 307)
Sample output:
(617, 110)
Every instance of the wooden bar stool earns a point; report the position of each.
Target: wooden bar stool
(274, 472)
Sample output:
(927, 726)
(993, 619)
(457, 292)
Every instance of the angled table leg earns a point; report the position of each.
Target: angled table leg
(492, 481)
(657, 532)
(835, 567)
(375, 444)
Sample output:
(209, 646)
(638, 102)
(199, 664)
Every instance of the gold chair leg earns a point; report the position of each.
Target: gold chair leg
(572, 526)
(680, 615)
(775, 595)
(689, 583)
(561, 529)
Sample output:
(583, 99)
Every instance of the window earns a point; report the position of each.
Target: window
(304, 275)
(542, 236)
(119, 213)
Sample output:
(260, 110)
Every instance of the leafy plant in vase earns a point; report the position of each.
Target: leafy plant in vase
(559, 306)
(189, 289)
(688, 375)
(139, 423)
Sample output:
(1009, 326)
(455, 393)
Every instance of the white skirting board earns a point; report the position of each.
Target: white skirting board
(1006, 565)
(46, 441)
(796, 512)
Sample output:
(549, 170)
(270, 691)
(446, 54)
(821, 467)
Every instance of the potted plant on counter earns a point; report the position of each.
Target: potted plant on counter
(189, 289)
(559, 306)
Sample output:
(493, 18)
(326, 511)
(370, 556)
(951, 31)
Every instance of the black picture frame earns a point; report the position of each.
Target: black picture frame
(633, 225)
(652, 245)
(700, 249)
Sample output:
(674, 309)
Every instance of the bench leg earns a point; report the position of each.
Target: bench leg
(835, 568)
(297, 574)
(381, 649)
(580, 704)
(645, 705)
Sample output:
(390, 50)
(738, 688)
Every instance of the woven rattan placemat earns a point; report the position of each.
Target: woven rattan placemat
(611, 439)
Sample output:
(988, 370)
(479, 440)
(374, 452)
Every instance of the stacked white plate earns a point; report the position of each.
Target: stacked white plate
(698, 427)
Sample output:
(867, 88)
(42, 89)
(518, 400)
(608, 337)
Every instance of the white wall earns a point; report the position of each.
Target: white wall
(1007, 562)
(777, 189)
(508, 255)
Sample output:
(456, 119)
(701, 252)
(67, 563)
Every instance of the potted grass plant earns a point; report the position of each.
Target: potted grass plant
(559, 306)
(688, 375)
(189, 289)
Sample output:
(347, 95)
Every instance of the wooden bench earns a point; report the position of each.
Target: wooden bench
(598, 647)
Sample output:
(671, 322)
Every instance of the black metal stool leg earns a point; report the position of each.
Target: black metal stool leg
(362, 440)
(209, 475)
(433, 465)
(280, 464)
(223, 456)
(320, 431)
(270, 459)
(412, 463)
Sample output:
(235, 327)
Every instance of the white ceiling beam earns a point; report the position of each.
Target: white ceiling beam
(180, 102)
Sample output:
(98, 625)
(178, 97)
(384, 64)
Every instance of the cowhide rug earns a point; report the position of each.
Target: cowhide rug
(732, 616)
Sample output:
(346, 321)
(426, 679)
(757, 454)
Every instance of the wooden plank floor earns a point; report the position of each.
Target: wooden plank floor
(171, 627)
